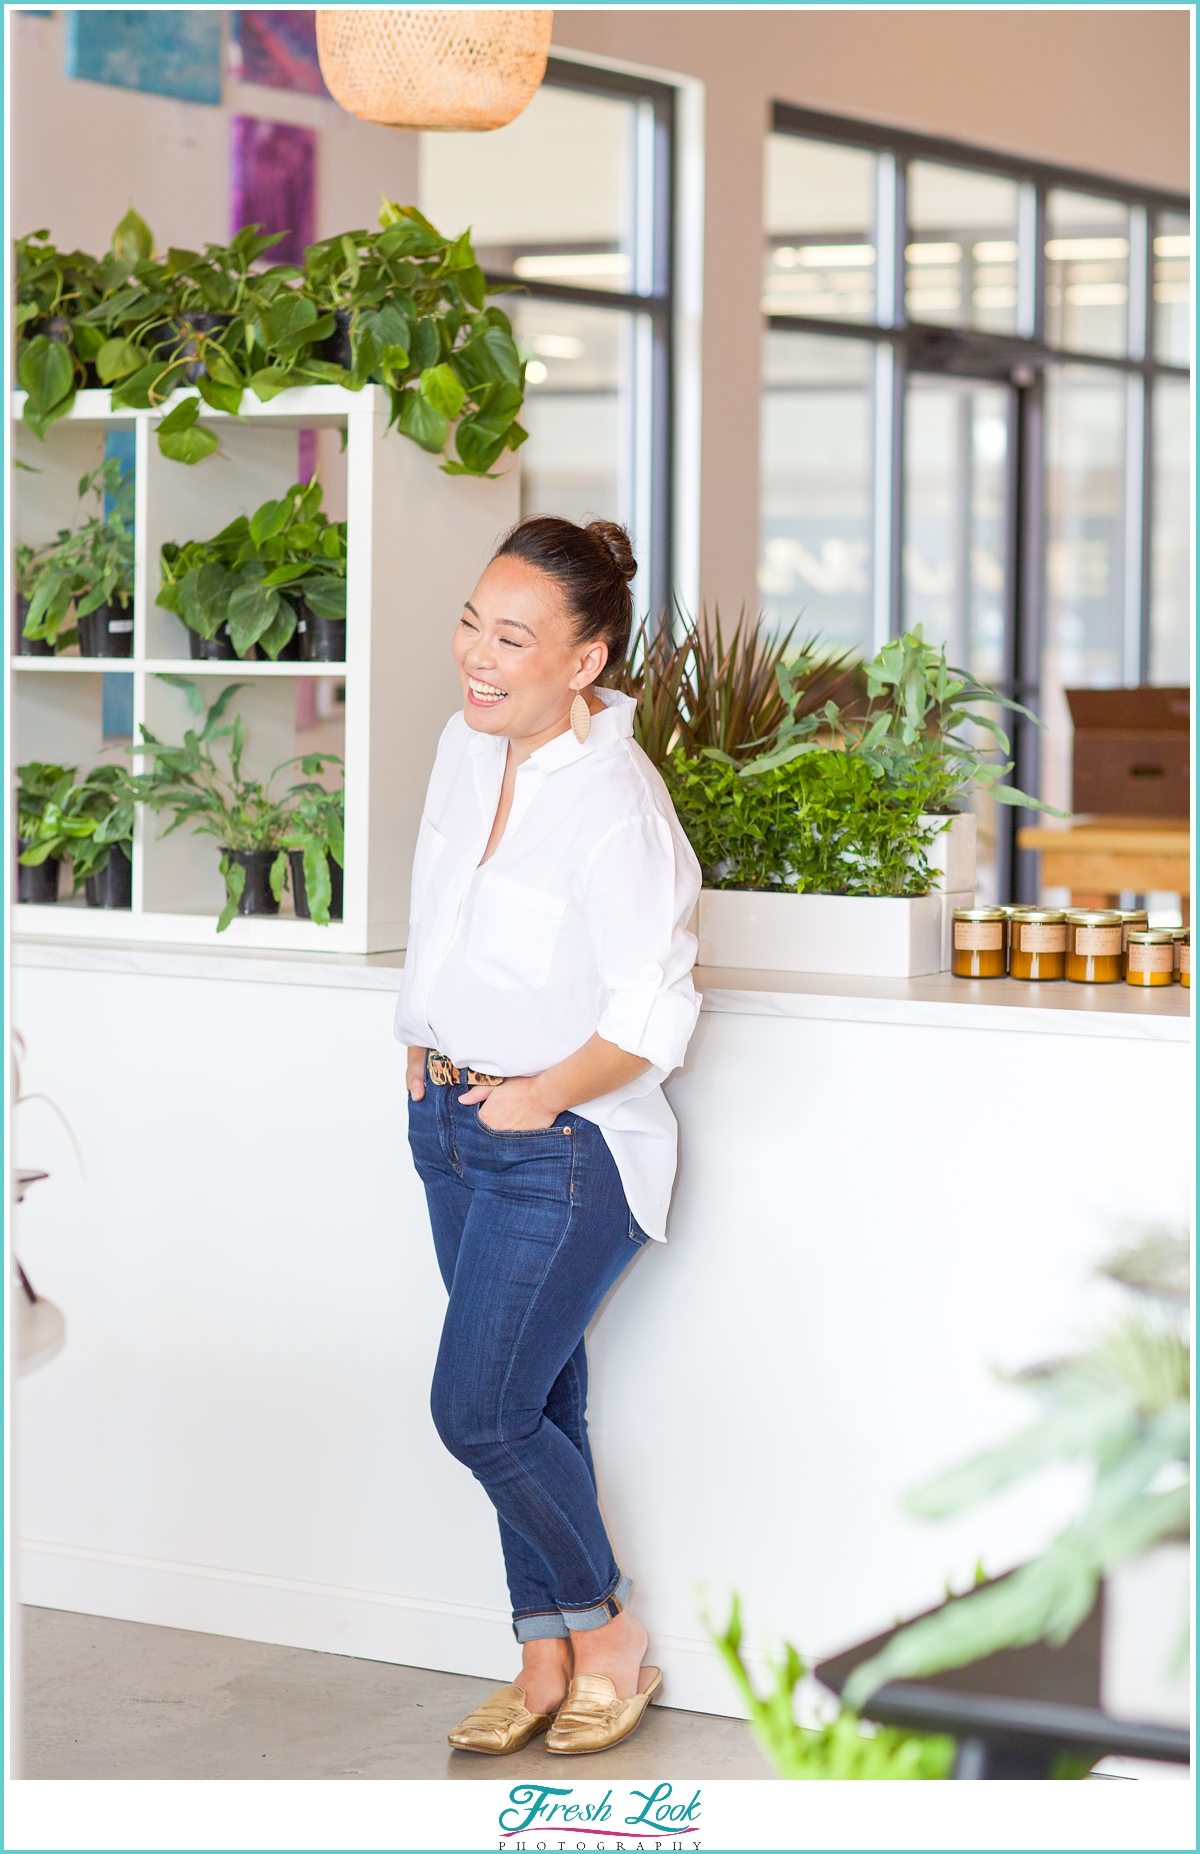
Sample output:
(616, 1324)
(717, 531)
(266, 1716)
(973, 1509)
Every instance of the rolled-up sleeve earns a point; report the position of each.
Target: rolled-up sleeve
(640, 887)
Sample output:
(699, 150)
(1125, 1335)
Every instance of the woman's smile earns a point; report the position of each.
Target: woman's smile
(484, 694)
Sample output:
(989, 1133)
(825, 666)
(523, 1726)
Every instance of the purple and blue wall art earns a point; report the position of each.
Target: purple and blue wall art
(273, 183)
(277, 46)
(170, 51)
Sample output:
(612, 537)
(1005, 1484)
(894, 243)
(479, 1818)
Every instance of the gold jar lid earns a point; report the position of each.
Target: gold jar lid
(1133, 914)
(1151, 936)
(979, 914)
(1039, 914)
(1093, 917)
(1179, 933)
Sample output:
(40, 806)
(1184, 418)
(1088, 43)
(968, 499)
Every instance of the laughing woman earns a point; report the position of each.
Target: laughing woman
(547, 993)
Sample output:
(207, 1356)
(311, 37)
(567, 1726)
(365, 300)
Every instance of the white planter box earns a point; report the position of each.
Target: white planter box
(847, 935)
(952, 854)
(1143, 1674)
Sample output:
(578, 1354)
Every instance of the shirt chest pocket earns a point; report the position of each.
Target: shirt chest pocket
(513, 932)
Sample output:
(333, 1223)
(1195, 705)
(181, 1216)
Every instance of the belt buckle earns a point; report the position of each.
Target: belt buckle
(442, 1072)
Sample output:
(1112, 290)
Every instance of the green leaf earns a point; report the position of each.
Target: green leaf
(252, 610)
(477, 446)
(221, 397)
(271, 518)
(280, 631)
(444, 391)
(119, 357)
(190, 446)
(133, 240)
(46, 372)
(289, 317)
(235, 882)
(421, 422)
(191, 690)
(326, 596)
(270, 380)
(426, 348)
(460, 256)
(185, 415)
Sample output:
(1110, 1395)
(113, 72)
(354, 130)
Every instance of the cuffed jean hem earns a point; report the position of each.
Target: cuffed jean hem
(545, 1627)
(552, 1624)
(602, 1612)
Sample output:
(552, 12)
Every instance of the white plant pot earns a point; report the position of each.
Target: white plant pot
(951, 853)
(1143, 1675)
(846, 935)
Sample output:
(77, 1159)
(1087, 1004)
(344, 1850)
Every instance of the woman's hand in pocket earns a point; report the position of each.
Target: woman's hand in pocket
(514, 1106)
(414, 1077)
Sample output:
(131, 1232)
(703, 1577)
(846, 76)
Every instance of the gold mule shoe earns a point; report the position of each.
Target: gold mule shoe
(592, 1718)
(502, 1724)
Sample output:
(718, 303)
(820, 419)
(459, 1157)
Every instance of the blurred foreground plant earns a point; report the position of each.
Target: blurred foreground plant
(839, 1751)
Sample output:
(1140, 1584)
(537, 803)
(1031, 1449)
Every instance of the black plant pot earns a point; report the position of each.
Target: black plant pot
(106, 632)
(39, 882)
(216, 649)
(112, 886)
(177, 340)
(300, 893)
(256, 896)
(337, 347)
(322, 640)
(29, 646)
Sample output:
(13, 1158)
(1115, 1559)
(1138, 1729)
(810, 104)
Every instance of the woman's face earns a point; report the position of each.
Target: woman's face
(515, 650)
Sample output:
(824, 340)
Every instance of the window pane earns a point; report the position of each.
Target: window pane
(1170, 560)
(955, 569)
(1085, 449)
(577, 458)
(815, 546)
(820, 211)
(961, 259)
(550, 197)
(1173, 289)
(1087, 273)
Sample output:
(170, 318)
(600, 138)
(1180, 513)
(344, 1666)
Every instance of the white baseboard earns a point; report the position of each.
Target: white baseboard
(371, 1625)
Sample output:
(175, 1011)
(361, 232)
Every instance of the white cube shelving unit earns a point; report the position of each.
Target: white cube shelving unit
(417, 541)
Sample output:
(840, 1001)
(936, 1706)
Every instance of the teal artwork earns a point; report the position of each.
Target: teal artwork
(171, 51)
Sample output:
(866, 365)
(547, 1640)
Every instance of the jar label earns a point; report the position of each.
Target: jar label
(978, 936)
(1093, 940)
(1151, 958)
(1042, 936)
(1185, 958)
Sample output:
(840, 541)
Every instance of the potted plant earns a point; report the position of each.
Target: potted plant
(315, 842)
(404, 306)
(264, 581)
(86, 573)
(825, 828)
(248, 823)
(53, 289)
(39, 784)
(91, 823)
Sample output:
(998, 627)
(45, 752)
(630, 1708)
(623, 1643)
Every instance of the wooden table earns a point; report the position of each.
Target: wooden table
(1098, 859)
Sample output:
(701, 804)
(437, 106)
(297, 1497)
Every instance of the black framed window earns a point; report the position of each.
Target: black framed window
(571, 205)
(975, 418)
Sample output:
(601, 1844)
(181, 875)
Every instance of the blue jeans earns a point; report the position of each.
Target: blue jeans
(531, 1231)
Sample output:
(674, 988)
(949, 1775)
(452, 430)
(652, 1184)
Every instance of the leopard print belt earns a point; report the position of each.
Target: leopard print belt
(443, 1073)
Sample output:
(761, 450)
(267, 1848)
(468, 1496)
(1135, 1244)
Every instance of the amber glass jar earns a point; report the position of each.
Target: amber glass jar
(1037, 946)
(1150, 956)
(1182, 937)
(1094, 937)
(1133, 920)
(978, 950)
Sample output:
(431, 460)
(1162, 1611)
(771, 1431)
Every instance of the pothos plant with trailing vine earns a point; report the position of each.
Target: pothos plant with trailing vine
(403, 306)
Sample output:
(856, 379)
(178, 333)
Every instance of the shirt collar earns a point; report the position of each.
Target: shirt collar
(615, 723)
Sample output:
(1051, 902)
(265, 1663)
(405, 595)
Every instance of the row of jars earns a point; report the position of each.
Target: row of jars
(1092, 946)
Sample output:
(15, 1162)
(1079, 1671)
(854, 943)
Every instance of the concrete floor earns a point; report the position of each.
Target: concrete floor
(126, 1699)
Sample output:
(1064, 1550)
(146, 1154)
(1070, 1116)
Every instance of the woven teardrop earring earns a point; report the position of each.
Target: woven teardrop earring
(581, 719)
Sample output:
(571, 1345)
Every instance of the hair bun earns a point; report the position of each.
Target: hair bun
(616, 543)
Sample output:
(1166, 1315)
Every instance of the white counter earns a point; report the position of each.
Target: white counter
(888, 1188)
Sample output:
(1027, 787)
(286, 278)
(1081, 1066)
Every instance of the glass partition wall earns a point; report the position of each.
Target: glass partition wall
(571, 205)
(976, 419)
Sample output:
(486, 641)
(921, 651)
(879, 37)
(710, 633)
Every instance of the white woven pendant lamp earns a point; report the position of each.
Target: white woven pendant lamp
(434, 67)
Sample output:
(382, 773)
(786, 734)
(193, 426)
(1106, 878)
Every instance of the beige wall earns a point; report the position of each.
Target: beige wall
(1101, 89)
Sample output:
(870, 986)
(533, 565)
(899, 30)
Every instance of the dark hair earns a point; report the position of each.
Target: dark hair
(592, 568)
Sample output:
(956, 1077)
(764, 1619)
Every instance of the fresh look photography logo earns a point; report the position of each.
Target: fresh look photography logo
(559, 1816)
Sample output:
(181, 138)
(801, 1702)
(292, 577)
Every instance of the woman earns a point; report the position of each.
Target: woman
(547, 993)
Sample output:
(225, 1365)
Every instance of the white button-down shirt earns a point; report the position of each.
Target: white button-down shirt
(576, 925)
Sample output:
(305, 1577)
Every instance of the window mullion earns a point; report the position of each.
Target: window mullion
(1031, 262)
